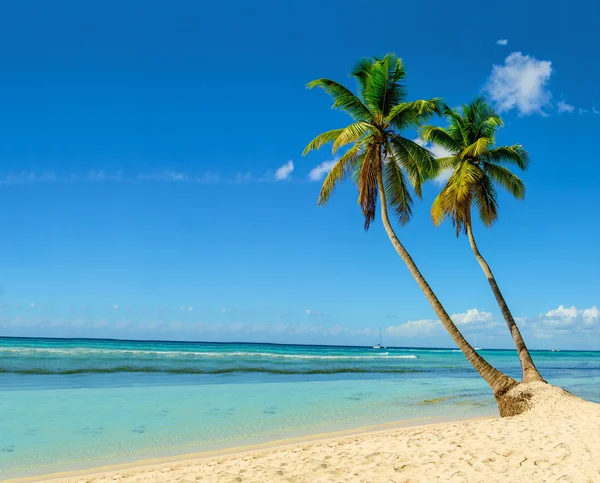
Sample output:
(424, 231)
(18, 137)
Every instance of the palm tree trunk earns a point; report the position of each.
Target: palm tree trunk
(498, 381)
(530, 372)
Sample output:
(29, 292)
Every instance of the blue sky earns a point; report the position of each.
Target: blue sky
(152, 182)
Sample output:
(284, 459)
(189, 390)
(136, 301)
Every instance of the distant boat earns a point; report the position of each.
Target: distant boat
(475, 347)
(554, 350)
(380, 344)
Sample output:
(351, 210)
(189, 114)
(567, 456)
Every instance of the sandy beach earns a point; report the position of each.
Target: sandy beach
(557, 440)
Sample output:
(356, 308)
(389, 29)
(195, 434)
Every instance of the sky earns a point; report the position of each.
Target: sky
(153, 186)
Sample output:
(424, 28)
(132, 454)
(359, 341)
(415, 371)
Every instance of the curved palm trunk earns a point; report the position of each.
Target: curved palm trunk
(498, 381)
(530, 372)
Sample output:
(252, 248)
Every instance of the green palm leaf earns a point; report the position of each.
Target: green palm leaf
(367, 184)
(514, 154)
(322, 139)
(342, 98)
(477, 148)
(351, 134)
(419, 163)
(340, 170)
(396, 188)
(441, 137)
(507, 179)
(413, 113)
(485, 200)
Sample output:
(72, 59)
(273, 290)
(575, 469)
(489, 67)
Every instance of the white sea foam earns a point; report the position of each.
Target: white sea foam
(74, 352)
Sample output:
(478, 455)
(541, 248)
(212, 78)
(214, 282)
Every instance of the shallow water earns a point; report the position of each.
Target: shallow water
(68, 404)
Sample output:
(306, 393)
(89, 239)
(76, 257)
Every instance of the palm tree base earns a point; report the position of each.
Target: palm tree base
(524, 397)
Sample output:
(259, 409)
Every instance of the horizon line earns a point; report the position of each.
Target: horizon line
(270, 343)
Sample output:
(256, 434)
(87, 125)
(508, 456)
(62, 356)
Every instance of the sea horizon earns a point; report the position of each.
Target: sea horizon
(178, 341)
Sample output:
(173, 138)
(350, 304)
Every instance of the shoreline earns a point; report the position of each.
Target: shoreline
(244, 450)
(555, 440)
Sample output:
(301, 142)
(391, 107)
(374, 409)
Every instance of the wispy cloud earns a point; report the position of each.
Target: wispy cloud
(502, 42)
(414, 328)
(159, 176)
(284, 172)
(521, 83)
(319, 172)
(167, 176)
(562, 106)
(314, 313)
(226, 310)
(28, 177)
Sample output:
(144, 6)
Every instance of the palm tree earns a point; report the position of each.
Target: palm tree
(381, 161)
(478, 165)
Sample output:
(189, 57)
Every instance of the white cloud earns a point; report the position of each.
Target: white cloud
(473, 316)
(502, 42)
(567, 321)
(438, 152)
(564, 107)
(521, 83)
(319, 172)
(284, 172)
(590, 316)
(562, 312)
(313, 313)
(413, 328)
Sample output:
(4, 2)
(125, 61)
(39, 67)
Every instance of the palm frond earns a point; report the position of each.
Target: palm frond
(477, 148)
(514, 154)
(419, 163)
(367, 184)
(350, 134)
(485, 199)
(343, 99)
(410, 114)
(382, 86)
(397, 192)
(447, 162)
(459, 127)
(441, 137)
(322, 139)
(485, 120)
(340, 170)
(438, 213)
(361, 73)
(507, 179)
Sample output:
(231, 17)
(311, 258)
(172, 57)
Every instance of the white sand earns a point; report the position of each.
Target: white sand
(558, 440)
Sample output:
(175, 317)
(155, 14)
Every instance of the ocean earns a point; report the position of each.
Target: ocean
(70, 404)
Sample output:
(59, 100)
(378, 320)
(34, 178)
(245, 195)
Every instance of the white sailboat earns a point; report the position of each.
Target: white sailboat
(475, 347)
(380, 344)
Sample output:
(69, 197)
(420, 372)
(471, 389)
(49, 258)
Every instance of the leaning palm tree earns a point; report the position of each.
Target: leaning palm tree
(383, 163)
(477, 165)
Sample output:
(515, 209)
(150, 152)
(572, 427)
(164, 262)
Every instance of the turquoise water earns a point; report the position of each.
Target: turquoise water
(68, 404)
